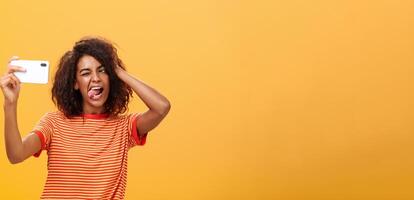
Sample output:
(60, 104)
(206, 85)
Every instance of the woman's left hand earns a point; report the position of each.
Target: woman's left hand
(119, 72)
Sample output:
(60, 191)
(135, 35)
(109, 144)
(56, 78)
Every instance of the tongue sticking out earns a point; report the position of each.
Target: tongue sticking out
(93, 94)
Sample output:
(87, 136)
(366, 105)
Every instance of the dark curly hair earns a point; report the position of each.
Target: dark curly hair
(68, 100)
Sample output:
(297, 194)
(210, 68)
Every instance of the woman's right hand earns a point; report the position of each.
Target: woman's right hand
(10, 84)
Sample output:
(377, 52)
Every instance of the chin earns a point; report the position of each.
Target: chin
(99, 104)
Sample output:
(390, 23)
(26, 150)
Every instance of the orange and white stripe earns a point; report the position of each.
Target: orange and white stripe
(87, 155)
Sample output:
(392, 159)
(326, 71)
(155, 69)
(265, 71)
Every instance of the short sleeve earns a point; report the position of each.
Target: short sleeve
(44, 130)
(135, 138)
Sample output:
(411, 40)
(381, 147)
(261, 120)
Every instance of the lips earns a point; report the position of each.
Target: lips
(95, 92)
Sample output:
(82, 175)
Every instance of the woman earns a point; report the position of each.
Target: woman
(88, 138)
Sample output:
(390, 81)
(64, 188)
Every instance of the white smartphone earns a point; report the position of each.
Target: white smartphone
(37, 71)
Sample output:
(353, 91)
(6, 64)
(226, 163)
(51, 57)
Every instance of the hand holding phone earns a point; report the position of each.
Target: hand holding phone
(37, 71)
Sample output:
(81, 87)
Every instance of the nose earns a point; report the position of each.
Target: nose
(95, 77)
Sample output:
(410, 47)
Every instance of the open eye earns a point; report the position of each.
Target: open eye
(102, 69)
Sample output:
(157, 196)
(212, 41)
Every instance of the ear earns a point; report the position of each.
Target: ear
(76, 86)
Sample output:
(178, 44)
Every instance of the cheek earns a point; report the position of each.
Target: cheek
(82, 84)
(105, 80)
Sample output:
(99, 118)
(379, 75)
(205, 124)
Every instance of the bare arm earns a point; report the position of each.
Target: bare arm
(158, 105)
(17, 149)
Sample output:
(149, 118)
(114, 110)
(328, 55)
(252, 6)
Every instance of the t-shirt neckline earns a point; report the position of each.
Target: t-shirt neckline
(95, 116)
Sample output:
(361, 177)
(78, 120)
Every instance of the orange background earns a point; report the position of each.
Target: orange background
(270, 100)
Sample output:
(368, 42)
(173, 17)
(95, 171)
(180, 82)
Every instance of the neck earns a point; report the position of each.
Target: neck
(89, 110)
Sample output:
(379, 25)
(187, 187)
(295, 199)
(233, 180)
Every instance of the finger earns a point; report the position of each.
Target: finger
(4, 77)
(13, 58)
(8, 82)
(12, 83)
(14, 68)
(15, 79)
(5, 81)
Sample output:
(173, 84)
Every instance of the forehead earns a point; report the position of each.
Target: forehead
(87, 61)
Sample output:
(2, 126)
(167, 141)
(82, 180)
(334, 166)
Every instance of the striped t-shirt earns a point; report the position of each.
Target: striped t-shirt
(87, 155)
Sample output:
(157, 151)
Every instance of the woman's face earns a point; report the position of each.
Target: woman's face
(93, 83)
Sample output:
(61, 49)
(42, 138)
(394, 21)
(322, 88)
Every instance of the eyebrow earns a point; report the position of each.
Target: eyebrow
(88, 69)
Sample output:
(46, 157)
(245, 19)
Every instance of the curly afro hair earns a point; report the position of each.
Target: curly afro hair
(68, 100)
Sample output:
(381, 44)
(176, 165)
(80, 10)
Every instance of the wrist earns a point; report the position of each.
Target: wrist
(9, 105)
